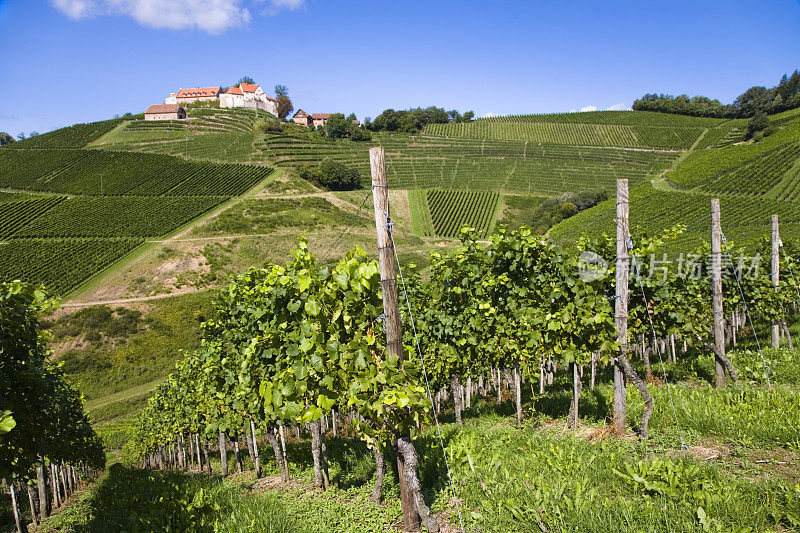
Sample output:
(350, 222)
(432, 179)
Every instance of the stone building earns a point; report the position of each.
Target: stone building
(165, 112)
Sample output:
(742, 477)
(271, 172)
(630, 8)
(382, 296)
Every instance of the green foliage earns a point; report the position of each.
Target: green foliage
(332, 175)
(339, 127)
(99, 322)
(43, 416)
(541, 214)
(758, 124)
(133, 358)
(410, 121)
(753, 101)
(288, 344)
(6, 138)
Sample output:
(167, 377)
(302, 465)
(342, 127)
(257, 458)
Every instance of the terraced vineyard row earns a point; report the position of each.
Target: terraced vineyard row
(155, 125)
(118, 216)
(230, 120)
(60, 264)
(76, 136)
(745, 221)
(451, 210)
(722, 135)
(632, 118)
(123, 173)
(427, 162)
(616, 135)
(17, 214)
(760, 176)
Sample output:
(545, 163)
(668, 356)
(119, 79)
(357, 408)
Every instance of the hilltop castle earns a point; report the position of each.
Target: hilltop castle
(245, 95)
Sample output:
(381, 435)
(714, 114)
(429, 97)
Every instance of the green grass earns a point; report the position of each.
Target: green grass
(259, 215)
(141, 358)
(135, 500)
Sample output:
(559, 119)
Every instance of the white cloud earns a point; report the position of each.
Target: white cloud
(622, 106)
(212, 16)
(276, 6)
(76, 9)
(588, 108)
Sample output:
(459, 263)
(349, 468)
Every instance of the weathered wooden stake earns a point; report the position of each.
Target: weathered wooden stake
(394, 333)
(716, 273)
(776, 267)
(621, 305)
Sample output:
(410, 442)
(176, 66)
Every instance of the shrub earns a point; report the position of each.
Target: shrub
(338, 176)
(758, 124)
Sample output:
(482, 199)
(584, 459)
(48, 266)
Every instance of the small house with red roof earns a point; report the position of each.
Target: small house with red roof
(301, 118)
(320, 119)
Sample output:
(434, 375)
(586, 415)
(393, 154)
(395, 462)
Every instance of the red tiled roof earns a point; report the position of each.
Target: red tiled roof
(323, 116)
(270, 99)
(162, 108)
(300, 113)
(198, 92)
(235, 90)
(248, 87)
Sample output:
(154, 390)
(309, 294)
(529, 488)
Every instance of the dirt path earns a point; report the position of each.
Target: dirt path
(179, 292)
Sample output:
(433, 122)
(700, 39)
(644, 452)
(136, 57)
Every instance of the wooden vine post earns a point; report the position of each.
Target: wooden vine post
(621, 305)
(776, 267)
(716, 275)
(394, 333)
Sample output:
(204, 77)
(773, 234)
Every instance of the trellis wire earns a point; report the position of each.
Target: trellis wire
(661, 360)
(746, 309)
(791, 271)
(425, 374)
(346, 227)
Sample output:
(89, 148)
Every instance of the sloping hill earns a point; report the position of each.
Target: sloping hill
(89, 208)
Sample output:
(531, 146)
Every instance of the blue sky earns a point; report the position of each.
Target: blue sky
(67, 61)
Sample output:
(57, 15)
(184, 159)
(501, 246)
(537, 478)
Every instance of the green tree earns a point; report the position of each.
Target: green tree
(281, 90)
(338, 176)
(245, 79)
(337, 126)
(284, 106)
(5, 138)
(759, 123)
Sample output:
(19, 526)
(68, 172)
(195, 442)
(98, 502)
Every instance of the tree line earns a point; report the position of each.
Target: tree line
(755, 100)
